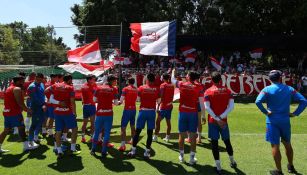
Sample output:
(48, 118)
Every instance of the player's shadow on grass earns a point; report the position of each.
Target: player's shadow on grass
(208, 169)
(38, 153)
(13, 138)
(68, 164)
(10, 160)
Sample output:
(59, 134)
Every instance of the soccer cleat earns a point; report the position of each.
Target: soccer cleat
(131, 154)
(110, 145)
(83, 140)
(129, 142)
(291, 169)
(218, 172)
(146, 155)
(3, 151)
(154, 138)
(166, 139)
(104, 155)
(188, 140)
(198, 141)
(233, 164)
(60, 155)
(33, 145)
(122, 148)
(15, 131)
(276, 172)
(193, 161)
(93, 153)
(181, 158)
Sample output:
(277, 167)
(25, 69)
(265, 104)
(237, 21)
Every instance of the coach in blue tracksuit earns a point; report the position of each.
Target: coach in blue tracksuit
(278, 98)
(37, 97)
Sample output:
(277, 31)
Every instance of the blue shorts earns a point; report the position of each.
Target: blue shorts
(188, 121)
(13, 121)
(65, 121)
(89, 110)
(198, 107)
(38, 115)
(166, 114)
(144, 116)
(50, 112)
(215, 131)
(278, 130)
(128, 116)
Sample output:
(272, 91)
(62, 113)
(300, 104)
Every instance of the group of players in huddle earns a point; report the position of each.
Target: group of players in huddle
(56, 100)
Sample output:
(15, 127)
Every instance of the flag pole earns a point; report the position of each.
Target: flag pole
(120, 54)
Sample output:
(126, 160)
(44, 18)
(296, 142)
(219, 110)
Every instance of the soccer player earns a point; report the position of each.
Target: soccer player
(37, 100)
(129, 95)
(278, 98)
(190, 94)
(12, 112)
(30, 80)
(106, 95)
(219, 102)
(149, 96)
(63, 96)
(89, 107)
(166, 106)
(50, 107)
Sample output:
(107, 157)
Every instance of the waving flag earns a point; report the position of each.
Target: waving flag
(154, 38)
(187, 50)
(256, 53)
(86, 69)
(89, 53)
(216, 64)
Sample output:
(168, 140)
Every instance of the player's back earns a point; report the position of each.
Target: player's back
(105, 95)
(130, 92)
(167, 95)
(148, 96)
(189, 94)
(87, 91)
(11, 107)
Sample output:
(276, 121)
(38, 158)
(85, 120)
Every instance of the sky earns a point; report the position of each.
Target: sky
(41, 13)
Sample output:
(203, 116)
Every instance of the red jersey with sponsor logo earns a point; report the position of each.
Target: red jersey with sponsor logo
(11, 107)
(189, 94)
(63, 92)
(88, 93)
(219, 97)
(105, 95)
(148, 96)
(130, 93)
(48, 92)
(167, 95)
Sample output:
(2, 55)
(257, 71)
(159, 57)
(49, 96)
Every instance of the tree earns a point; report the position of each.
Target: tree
(9, 47)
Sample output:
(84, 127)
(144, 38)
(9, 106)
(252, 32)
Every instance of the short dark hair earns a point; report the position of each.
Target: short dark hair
(67, 77)
(165, 76)
(151, 77)
(274, 75)
(131, 80)
(32, 74)
(53, 75)
(216, 77)
(22, 74)
(40, 75)
(90, 76)
(111, 78)
(60, 75)
(193, 75)
(18, 78)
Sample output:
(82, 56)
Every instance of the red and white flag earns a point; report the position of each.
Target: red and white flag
(89, 53)
(190, 58)
(187, 50)
(216, 64)
(118, 60)
(127, 61)
(86, 69)
(256, 53)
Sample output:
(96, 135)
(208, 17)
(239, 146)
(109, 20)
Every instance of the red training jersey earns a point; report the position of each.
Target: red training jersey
(130, 93)
(88, 93)
(219, 97)
(105, 95)
(189, 94)
(11, 107)
(48, 92)
(148, 96)
(63, 92)
(167, 96)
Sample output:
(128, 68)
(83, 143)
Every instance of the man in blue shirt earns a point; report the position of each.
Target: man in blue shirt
(37, 98)
(278, 98)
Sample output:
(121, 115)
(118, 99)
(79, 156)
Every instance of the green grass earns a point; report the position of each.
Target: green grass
(247, 126)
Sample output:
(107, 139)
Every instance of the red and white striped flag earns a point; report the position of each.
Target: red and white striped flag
(216, 64)
(187, 50)
(89, 53)
(256, 53)
(86, 69)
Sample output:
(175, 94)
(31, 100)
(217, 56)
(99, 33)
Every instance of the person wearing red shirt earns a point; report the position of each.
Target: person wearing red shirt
(89, 107)
(190, 95)
(105, 95)
(63, 96)
(149, 96)
(50, 107)
(129, 95)
(30, 80)
(219, 102)
(165, 109)
(12, 112)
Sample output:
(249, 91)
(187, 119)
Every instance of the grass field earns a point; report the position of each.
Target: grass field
(247, 126)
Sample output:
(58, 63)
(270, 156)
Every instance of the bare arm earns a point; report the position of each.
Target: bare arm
(18, 97)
